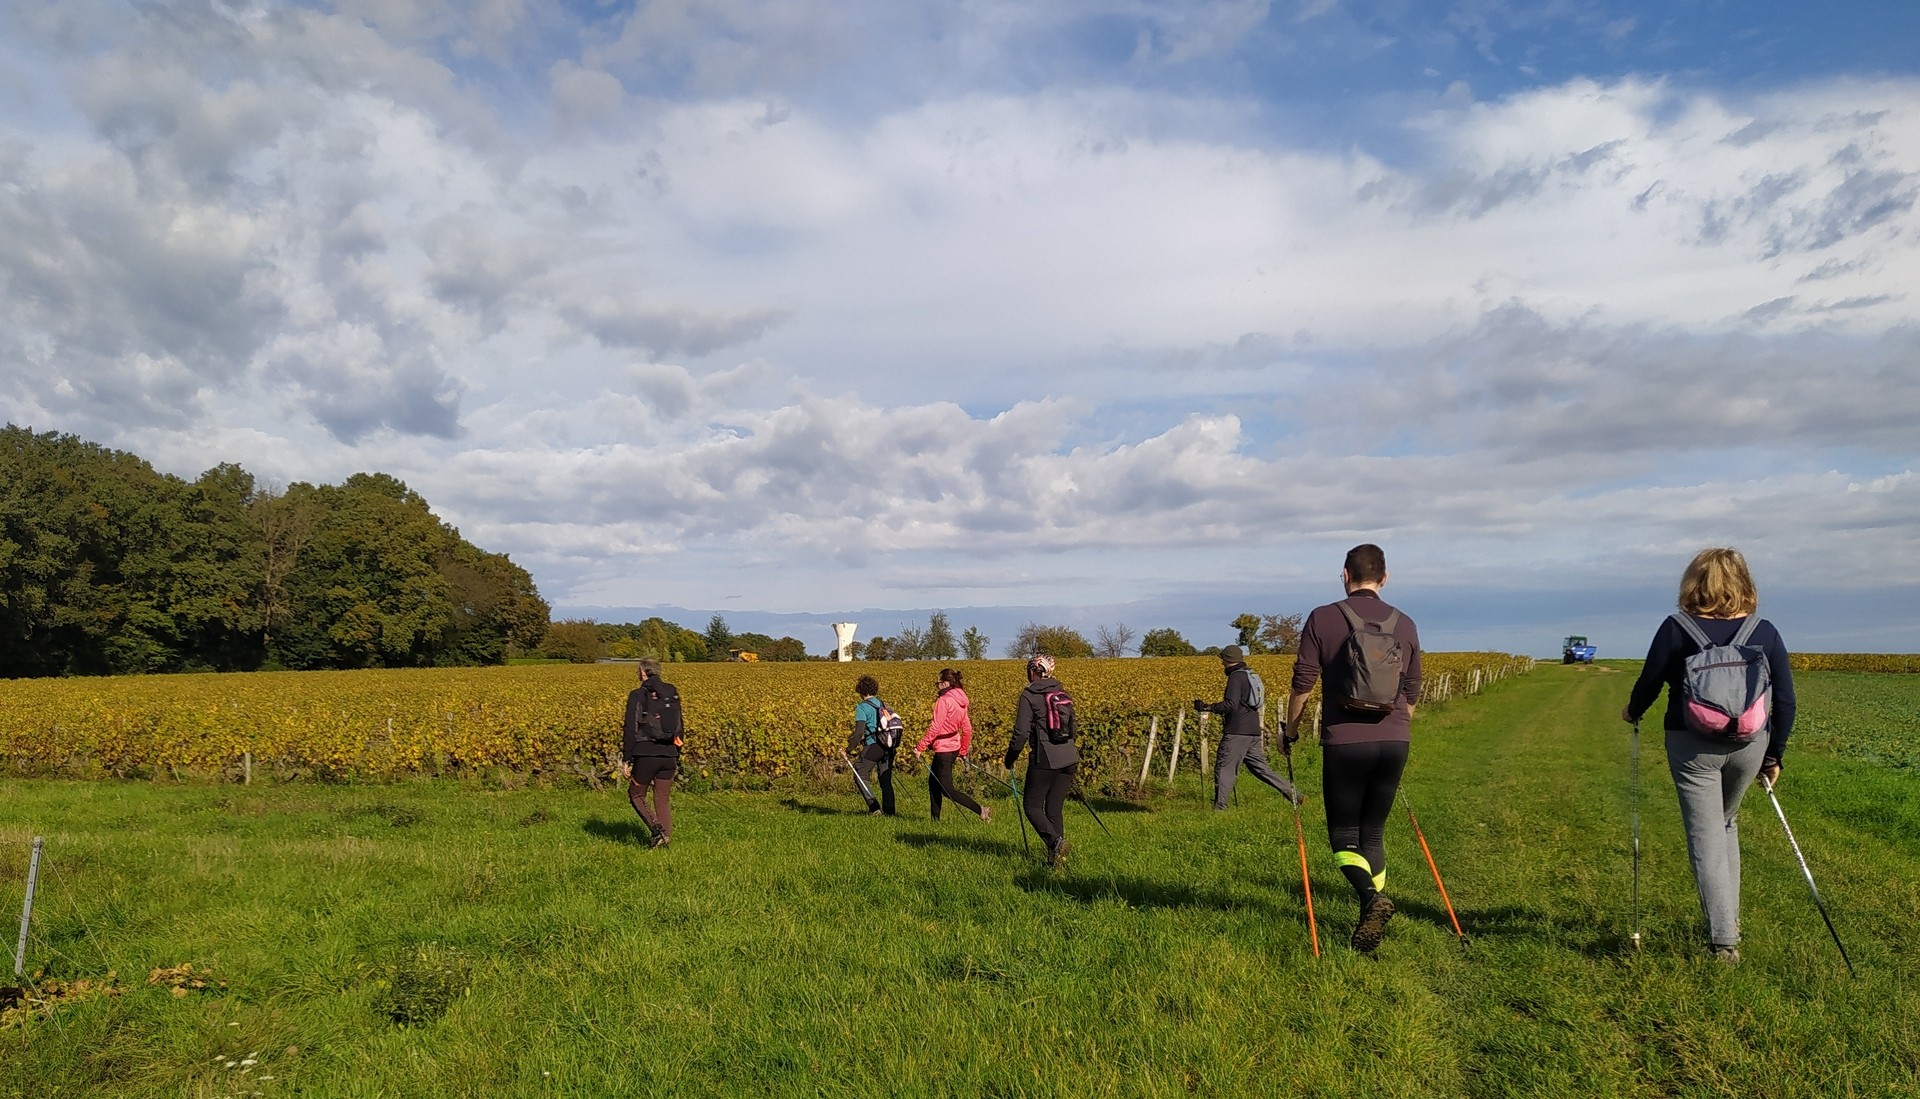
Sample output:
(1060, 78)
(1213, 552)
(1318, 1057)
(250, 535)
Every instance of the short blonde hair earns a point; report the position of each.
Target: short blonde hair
(1718, 585)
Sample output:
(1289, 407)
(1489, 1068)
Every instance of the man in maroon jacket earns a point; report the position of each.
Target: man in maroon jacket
(1365, 742)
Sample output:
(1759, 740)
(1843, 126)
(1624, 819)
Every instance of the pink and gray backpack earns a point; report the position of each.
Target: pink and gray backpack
(1726, 690)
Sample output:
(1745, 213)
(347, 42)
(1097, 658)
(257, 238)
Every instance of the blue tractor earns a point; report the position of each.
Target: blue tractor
(1577, 651)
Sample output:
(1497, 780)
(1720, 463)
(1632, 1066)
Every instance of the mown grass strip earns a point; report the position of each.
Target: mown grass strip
(787, 945)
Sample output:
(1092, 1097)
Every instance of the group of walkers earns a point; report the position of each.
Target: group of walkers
(1368, 654)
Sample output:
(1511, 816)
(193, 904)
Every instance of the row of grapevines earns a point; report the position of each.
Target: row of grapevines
(745, 722)
(1856, 662)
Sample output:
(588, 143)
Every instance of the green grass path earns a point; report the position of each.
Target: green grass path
(788, 945)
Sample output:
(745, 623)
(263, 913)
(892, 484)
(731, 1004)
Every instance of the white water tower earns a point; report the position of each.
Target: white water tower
(843, 634)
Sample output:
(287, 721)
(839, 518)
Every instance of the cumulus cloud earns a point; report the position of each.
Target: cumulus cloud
(658, 283)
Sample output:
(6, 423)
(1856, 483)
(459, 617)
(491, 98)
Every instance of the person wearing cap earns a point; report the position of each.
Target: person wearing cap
(1055, 759)
(1364, 752)
(1240, 740)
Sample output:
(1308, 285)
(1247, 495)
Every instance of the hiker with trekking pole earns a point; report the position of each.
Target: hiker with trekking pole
(1240, 733)
(950, 735)
(874, 743)
(1730, 710)
(1043, 718)
(1368, 655)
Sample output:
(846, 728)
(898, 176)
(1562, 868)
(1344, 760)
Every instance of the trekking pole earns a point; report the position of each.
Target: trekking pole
(1636, 836)
(1082, 795)
(1431, 865)
(1817, 903)
(1018, 809)
(1300, 834)
(857, 780)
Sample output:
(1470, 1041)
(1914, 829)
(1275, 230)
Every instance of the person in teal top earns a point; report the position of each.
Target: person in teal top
(871, 757)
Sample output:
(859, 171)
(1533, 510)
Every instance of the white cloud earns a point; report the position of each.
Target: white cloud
(657, 299)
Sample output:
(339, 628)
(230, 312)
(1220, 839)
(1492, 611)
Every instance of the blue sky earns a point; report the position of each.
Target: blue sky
(1094, 311)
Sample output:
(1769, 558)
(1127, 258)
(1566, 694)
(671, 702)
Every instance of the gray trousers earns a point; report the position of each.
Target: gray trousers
(1249, 751)
(1712, 775)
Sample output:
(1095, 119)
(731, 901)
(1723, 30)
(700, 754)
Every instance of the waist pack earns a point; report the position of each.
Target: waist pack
(1726, 690)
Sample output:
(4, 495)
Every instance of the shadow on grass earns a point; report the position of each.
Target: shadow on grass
(1137, 892)
(1569, 931)
(617, 831)
(982, 845)
(814, 809)
(1103, 804)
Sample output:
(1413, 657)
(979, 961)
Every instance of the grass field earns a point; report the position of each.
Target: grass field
(434, 939)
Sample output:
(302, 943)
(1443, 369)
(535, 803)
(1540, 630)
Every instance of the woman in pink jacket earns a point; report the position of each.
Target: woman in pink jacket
(950, 735)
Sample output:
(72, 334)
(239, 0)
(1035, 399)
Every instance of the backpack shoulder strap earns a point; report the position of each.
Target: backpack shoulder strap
(1392, 619)
(1746, 630)
(1692, 629)
(1353, 617)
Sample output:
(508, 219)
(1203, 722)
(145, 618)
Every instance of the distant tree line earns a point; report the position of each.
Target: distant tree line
(935, 642)
(108, 566)
(1254, 633)
(584, 642)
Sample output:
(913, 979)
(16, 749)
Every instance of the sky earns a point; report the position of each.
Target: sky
(1086, 312)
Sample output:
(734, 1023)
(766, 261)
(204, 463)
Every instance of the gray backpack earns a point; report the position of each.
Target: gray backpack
(1726, 690)
(1374, 664)
(1256, 692)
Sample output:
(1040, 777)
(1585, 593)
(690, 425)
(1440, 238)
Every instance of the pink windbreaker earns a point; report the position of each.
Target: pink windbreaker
(951, 730)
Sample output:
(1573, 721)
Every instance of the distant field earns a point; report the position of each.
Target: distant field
(450, 938)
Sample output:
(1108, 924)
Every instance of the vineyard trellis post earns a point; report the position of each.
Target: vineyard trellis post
(1179, 729)
(26, 908)
(1153, 734)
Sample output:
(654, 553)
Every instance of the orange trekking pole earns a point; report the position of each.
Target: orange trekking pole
(1433, 867)
(1299, 833)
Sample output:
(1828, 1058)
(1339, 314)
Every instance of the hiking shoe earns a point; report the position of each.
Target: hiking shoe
(1057, 857)
(986, 814)
(659, 840)
(1727, 955)
(1373, 923)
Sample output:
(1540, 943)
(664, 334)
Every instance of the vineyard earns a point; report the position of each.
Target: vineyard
(747, 724)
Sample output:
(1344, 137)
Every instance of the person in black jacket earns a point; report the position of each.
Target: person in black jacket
(1240, 740)
(650, 749)
(1050, 771)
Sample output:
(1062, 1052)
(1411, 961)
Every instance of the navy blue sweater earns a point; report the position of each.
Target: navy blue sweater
(1667, 661)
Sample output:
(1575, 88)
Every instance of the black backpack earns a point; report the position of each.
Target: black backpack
(1374, 662)
(660, 718)
(1056, 716)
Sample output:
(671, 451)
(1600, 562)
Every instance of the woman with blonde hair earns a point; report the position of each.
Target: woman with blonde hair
(1713, 771)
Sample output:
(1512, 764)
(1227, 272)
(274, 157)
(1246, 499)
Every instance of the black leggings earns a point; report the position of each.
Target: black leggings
(940, 781)
(1358, 783)
(1045, 800)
